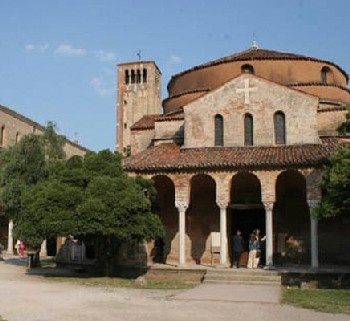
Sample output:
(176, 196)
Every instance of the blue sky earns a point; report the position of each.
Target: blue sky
(58, 58)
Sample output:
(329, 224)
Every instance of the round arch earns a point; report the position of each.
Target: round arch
(164, 207)
(291, 219)
(202, 218)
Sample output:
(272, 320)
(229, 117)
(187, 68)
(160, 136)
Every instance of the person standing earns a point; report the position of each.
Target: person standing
(21, 249)
(259, 247)
(253, 247)
(237, 249)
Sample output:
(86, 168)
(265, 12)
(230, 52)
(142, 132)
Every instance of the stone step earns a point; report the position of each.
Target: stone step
(242, 276)
(243, 282)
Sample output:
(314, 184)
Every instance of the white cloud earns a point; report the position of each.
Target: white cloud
(43, 48)
(100, 85)
(105, 56)
(68, 50)
(39, 48)
(29, 47)
(174, 59)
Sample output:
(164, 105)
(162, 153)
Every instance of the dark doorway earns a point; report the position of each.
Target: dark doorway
(51, 246)
(247, 220)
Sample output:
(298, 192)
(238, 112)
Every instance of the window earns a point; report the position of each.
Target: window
(144, 75)
(325, 71)
(133, 77)
(219, 130)
(280, 128)
(138, 76)
(248, 130)
(127, 77)
(247, 69)
(2, 135)
(18, 137)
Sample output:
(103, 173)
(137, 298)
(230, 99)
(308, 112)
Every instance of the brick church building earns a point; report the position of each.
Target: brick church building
(239, 143)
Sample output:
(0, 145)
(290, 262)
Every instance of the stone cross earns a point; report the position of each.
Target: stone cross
(246, 90)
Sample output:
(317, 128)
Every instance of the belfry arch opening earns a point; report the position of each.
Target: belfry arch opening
(247, 212)
(164, 207)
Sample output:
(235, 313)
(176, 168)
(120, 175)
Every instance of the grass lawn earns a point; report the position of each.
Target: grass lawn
(332, 301)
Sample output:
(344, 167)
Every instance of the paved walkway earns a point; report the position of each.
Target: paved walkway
(31, 298)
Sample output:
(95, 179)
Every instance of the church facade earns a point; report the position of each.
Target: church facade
(240, 143)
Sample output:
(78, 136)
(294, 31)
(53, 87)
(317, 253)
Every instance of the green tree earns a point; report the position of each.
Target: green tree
(344, 128)
(93, 199)
(336, 184)
(24, 165)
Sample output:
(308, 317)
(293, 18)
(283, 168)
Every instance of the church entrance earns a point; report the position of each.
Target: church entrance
(246, 219)
(247, 211)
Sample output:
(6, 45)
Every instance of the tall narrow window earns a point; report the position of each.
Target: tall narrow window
(127, 77)
(248, 130)
(144, 75)
(133, 76)
(219, 130)
(138, 76)
(280, 128)
(325, 74)
(2, 135)
(247, 69)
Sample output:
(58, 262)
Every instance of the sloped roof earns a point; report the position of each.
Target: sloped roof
(170, 157)
(147, 121)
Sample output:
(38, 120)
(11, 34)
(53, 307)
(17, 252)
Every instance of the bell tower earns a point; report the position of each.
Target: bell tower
(138, 94)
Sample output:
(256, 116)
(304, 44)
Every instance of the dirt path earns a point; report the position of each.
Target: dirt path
(30, 298)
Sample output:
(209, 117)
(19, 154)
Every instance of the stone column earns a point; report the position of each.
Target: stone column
(223, 233)
(269, 233)
(313, 234)
(10, 238)
(182, 232)
(43, 249)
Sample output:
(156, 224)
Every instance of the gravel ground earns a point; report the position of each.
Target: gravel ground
(32, 298)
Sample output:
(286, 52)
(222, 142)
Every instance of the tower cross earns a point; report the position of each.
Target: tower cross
(246, 90)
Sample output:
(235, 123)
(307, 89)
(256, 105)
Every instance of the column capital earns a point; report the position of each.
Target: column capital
(313, 203)
(268, 204)
(181, 206)
(222, 204)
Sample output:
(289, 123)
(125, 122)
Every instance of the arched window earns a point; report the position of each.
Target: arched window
(133, 76)
(127, 77)
(324, 74)
(144, 75)
(247, 69)
(2, 135)
(219, 130)
(248, 130)
(280, 128)
(18, 137)
(138, 76)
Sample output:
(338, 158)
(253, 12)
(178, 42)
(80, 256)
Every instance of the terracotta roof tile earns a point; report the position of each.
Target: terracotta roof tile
(147, 121)
(170, 157)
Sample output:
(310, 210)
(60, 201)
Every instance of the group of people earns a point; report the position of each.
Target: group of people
(255, 244)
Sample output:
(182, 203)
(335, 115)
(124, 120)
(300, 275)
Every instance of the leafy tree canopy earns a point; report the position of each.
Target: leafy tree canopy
(336, 184)
(93, 199)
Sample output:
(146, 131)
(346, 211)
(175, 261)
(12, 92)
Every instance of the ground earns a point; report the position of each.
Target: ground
(31, 298)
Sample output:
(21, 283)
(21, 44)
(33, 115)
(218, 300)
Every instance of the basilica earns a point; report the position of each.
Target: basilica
(239, 143)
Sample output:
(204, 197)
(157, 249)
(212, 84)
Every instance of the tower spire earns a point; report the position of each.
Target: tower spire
(254, 43)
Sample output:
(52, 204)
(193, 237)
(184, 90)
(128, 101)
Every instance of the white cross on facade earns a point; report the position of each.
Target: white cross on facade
(246, 90)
